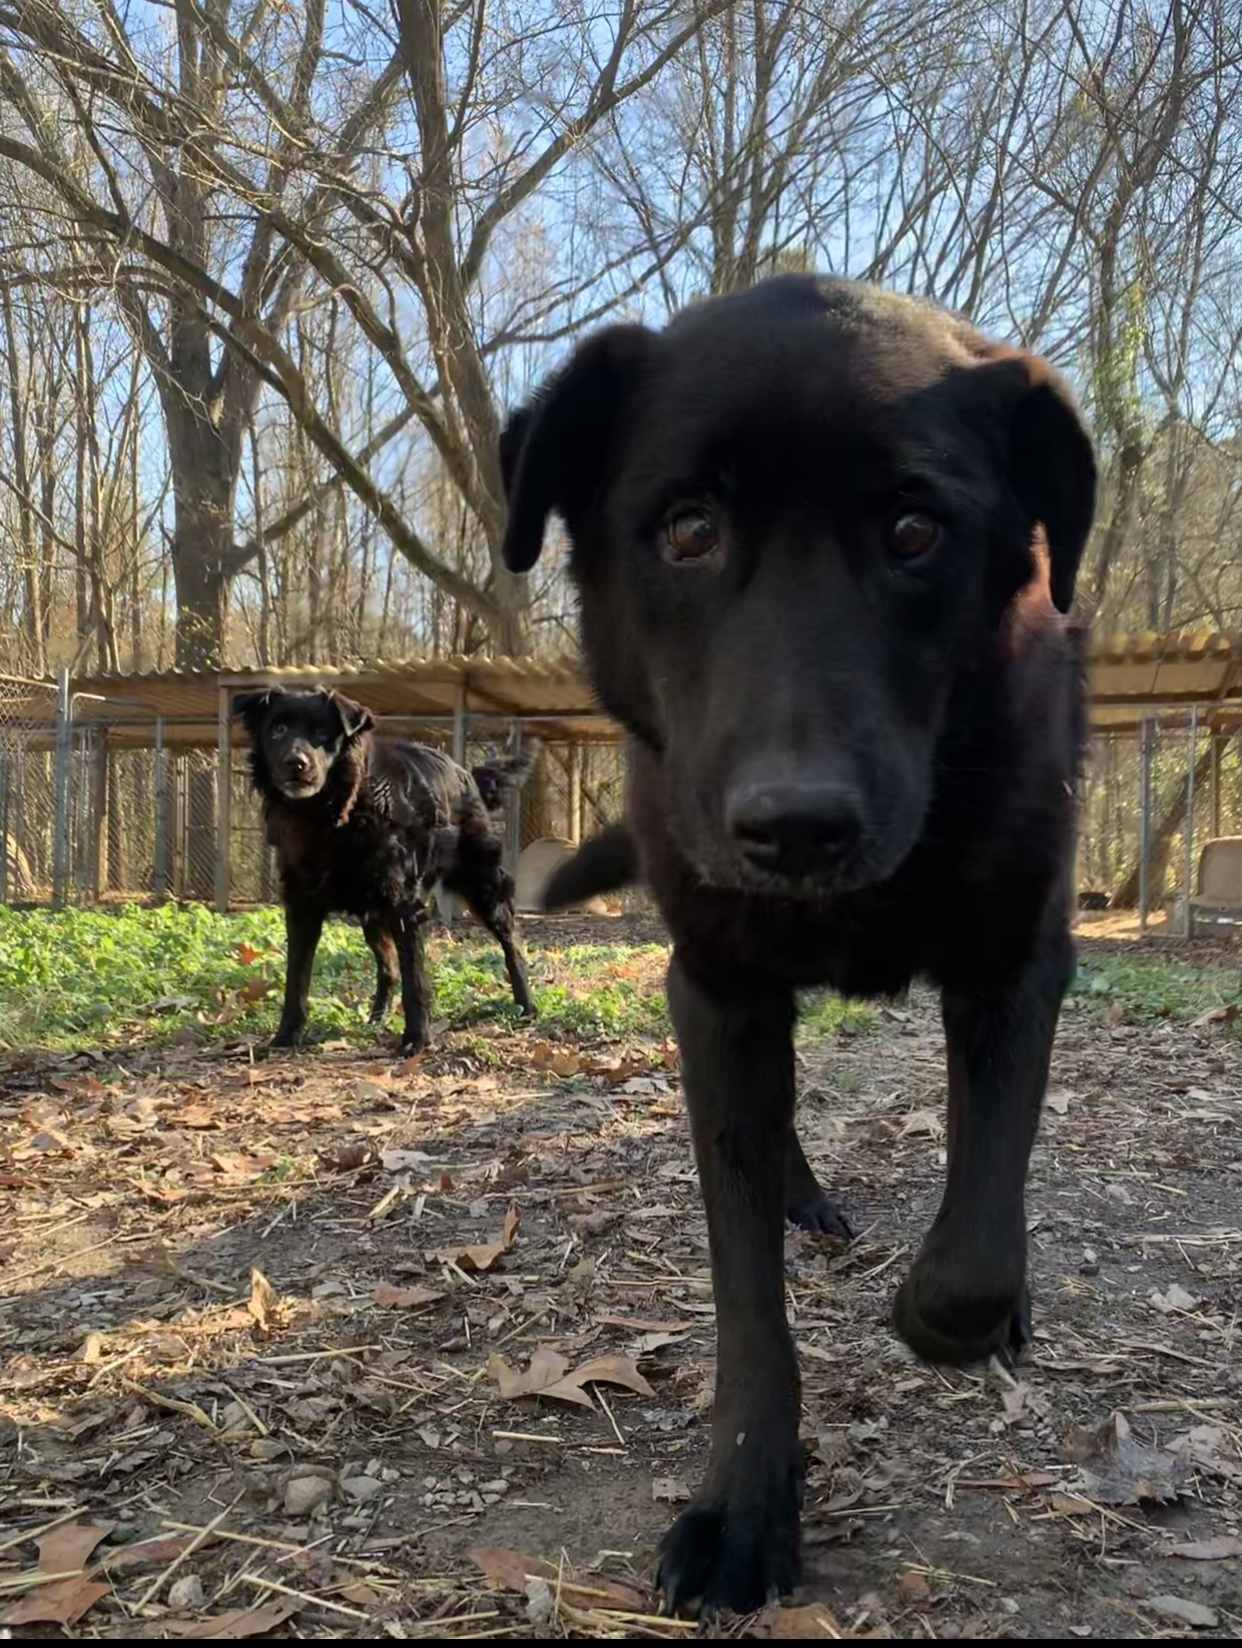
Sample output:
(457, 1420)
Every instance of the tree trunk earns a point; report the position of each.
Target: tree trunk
(1169, 814)
(205, 471)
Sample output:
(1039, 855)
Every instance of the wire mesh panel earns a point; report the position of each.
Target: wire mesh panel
(1188, 788)
(27, 791)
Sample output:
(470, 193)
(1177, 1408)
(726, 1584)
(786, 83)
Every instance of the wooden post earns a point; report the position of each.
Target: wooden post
(1192, 760)
(1219, 741)
(224, 801)
(448, 904)
(162, 810)
(1146, 753)
(574, 830)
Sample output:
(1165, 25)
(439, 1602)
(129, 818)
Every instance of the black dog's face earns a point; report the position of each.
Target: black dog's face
(795, 516)
(300, 735)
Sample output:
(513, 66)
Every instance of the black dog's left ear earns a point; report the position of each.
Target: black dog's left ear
(1052, 464)
(355, 718)
(250, 706)
(553, 452)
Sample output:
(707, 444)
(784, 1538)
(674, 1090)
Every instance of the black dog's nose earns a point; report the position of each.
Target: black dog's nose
(792, 828)
(299, 762)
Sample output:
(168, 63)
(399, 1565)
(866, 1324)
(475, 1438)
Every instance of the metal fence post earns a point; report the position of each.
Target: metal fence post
(61, 823)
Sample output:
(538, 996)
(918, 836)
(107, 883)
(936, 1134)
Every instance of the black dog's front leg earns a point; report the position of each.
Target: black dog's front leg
(303, 925)
(738, 1541)
(415, 982)
(966, 1295)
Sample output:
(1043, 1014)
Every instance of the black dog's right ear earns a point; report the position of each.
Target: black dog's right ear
(252, 706)
(553, 451)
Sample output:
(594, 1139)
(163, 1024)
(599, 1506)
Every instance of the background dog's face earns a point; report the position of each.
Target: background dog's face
(300, 735)
(796, 516)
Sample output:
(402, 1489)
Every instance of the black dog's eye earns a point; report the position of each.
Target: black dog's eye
(690, 535)
(913, 534)
(279, 730)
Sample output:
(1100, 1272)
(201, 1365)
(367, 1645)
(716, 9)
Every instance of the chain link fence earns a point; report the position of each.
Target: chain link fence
(28, 811)
(108, 807)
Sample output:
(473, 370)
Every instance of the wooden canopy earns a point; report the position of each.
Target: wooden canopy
(1129, 676)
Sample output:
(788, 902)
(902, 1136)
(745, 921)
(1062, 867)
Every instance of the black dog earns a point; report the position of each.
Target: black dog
(367, 826)
(823, 538)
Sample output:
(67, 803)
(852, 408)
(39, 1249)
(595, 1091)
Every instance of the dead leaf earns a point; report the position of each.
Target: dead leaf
(63, 1602)
(256, 989)
(238, 1168)
(395, 1298)
(482, 1255)
(264, 1300)
(1114, 1469)
(237, 1623)
(547, 1376)
(1058, 1100)
(799, 1624)
(547, 1367)
(1190, 1613)
(610, 1370)
(513, 1571)
(63, 1550)
(561, 1061)
(1217, 1549)
(1215, 1015)
(924, 1122)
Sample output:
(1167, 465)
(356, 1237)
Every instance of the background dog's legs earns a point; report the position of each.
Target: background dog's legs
(966, 1295)
(738, 1541)
(806, 1204)
(303, 925)
(415, 983)
(500, 924)
(379, 936)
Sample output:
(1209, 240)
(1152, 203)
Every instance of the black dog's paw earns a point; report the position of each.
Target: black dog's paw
(529, 1010)
(956, 1327)
(731, 1555)
(409, 1046)
(287, 1041)
(823, 1215)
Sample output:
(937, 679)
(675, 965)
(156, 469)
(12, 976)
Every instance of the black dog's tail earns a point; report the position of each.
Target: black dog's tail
(603, 864)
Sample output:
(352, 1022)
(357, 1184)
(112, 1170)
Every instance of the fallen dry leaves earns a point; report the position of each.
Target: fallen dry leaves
(62, 1601)
(548, 1375)
(482, 1256)
(1114, 1469)
(397, 1298)
(513, 1571)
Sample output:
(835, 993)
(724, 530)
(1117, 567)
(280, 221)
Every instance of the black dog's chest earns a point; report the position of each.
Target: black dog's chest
(361, 866)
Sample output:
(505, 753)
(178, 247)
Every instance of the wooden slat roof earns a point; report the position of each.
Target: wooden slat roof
(1128, 676)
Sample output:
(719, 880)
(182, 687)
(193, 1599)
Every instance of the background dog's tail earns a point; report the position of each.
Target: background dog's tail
(603, 864)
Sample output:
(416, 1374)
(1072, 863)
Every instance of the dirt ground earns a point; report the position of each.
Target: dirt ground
(267, 1325)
